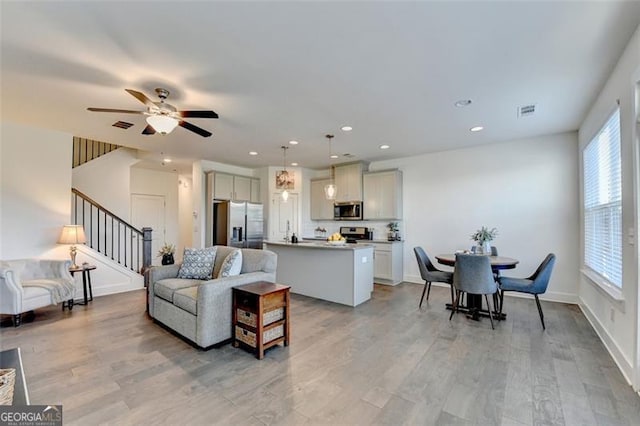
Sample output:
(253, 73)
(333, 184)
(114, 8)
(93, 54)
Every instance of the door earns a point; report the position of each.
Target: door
(149, 211)
(283, 216)
(223, 186)
(241, 188)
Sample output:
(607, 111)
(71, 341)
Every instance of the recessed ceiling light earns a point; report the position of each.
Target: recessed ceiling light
(293, 142)
(253, 153)
(463, 103)
(167, 160)
(384, 147)
(333, 156)
(476, 128)
(294, 164)
(346, 128)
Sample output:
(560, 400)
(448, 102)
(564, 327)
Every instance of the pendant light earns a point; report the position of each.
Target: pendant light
(284, 175)
(330, 189)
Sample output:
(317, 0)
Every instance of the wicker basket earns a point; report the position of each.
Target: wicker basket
(7, 383)
(273, 333)
(249, 318)
(246, 336)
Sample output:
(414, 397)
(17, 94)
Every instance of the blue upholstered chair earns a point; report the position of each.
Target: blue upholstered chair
(430, 273)
(536, 284)
(473, 275)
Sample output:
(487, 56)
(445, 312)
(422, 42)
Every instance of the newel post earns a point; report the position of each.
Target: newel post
(146, 254)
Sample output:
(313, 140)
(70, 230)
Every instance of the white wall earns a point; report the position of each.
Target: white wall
(617, 321)
(161, 183)
(107, 180)
(36, 198)
(527, 189)
(185, 215)
(36, 190)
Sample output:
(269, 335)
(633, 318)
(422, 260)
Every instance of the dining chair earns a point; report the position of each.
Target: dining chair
(473, 275)
(430, 273)
(536, 284)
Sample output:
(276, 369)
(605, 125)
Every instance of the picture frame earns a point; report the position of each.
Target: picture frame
(285, 180)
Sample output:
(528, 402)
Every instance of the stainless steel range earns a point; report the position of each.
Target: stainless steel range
(355, 233)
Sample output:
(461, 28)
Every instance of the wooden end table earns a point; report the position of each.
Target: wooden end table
(260, 316)
(86, 281)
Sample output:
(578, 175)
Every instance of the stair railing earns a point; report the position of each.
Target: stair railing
(85, 150)
(112, 236)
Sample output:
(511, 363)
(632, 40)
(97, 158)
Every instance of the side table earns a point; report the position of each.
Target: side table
(260, 316)
(86, 280)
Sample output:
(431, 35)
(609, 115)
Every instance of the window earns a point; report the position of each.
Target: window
(603, 202)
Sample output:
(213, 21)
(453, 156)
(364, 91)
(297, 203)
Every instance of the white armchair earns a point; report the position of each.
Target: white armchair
(28, 284)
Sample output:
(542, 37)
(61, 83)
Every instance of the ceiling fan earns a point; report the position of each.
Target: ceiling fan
(161, 116)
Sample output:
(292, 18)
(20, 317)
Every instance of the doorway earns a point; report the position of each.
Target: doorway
(149, 211)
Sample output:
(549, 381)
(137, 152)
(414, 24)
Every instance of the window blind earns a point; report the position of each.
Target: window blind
(603, 202)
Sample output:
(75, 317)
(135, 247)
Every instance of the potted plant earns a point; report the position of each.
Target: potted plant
(393, 231)
(482, 237)
(166, 252)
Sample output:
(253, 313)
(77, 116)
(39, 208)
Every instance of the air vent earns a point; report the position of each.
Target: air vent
(347, 155)
(122, 124)
(526, 110)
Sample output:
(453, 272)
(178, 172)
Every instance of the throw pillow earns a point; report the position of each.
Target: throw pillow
(232, 264)
(197, 264)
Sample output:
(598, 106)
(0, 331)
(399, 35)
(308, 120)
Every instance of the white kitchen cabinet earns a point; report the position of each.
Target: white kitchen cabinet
(242, 188)
(222, 186)
(321, 208)
(348, 180)
(255, 191)
(382, 195)
(388, 262)
(234, 187)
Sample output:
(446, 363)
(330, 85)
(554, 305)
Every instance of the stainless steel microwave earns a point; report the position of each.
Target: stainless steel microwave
(351, 210)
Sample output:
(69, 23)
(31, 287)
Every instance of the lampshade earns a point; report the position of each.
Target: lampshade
(284, 175)
(72, 234)
(330, 191)
(162, 124)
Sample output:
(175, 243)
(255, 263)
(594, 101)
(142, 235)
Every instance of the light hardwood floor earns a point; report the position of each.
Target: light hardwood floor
(384, 362)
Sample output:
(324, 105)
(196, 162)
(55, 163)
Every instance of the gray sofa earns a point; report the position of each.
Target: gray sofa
(200, 310)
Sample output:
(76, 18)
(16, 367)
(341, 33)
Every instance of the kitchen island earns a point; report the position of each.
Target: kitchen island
(341, 274)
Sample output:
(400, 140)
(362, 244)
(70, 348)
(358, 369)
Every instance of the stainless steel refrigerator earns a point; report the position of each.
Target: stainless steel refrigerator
(237, 224)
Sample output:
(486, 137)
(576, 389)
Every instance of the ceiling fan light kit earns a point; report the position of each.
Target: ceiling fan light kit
(163, 117)
(162, 124)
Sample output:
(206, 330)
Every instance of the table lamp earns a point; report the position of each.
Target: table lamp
(72, 234)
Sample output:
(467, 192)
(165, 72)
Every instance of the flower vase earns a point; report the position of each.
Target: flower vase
(167, 259)
(487, 248)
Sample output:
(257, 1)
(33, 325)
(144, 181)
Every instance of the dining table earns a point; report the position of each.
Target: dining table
(473, 305)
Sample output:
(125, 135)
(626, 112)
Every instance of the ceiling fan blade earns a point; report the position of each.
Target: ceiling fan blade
(141, 97)
(198, 114)
(149, 130)
(202, 132)
(122, 111)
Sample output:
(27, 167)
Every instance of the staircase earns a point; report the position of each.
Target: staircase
(85, 150)
(112, 236)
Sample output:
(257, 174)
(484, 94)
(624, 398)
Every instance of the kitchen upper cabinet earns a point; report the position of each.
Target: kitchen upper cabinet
(255, 191)
(321, 208)
(348, 180)
(242, 188)
(237, 188)
(382, 193)
(222, 186)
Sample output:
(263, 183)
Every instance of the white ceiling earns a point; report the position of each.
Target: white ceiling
(276, 71)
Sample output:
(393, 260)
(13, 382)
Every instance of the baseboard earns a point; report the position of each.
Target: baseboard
(623, 364)
(121, 287)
